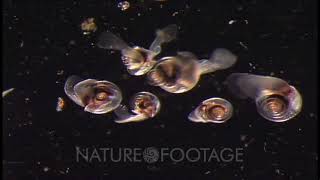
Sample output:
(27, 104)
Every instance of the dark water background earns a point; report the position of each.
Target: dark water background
(41, 39)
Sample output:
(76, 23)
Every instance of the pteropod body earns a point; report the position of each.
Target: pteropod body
(138, 60)
(97, 97)
(213, 110)
(144, 105)
(275, 99)
(181, 73)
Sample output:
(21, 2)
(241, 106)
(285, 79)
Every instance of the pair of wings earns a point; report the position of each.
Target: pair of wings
(108, 40)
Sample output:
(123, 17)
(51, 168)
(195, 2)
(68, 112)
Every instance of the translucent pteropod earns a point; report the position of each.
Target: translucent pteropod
(275, 99)
(138, 60)
(181, 73)
(144, 105)
(213, 110)
(97, 97)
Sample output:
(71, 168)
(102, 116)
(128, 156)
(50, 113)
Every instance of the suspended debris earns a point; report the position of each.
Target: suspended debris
(60, 104)
(88, 25)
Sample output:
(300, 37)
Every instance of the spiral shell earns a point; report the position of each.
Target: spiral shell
(213, 110)
(279, 107)
(145, 103)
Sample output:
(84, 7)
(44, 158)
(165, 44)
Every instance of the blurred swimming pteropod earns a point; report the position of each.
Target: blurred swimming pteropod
(6, 92)
(97, 97)
(275, 99)
(181, 73)
(138, 60)
(213, 110)
(144, 105)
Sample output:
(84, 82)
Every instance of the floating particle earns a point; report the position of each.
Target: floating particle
(60, 72)
(243, 45)
(27, 100)
(21, 43)
(45, 169)
(123, 5)
(175, 13)
(88, 25)
(108, 132)
(243, 137)
(60, 104)
(72, 42)
(311, 115)
(232, 21)
(6, 92)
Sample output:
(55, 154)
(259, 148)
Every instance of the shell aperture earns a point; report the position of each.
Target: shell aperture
(97, 97)
(213, 110)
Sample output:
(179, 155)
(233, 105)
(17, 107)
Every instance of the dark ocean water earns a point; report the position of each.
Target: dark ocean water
(43, 44)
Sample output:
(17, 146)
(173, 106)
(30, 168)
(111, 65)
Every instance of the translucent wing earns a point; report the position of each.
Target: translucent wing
(84, 88)
(69, 89)
(123, 115)
(245, 85)
(164, 35)
(186, 55)
(108, 40)
(194, 117)
(220, 59)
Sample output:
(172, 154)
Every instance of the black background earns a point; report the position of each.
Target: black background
(41, 39)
